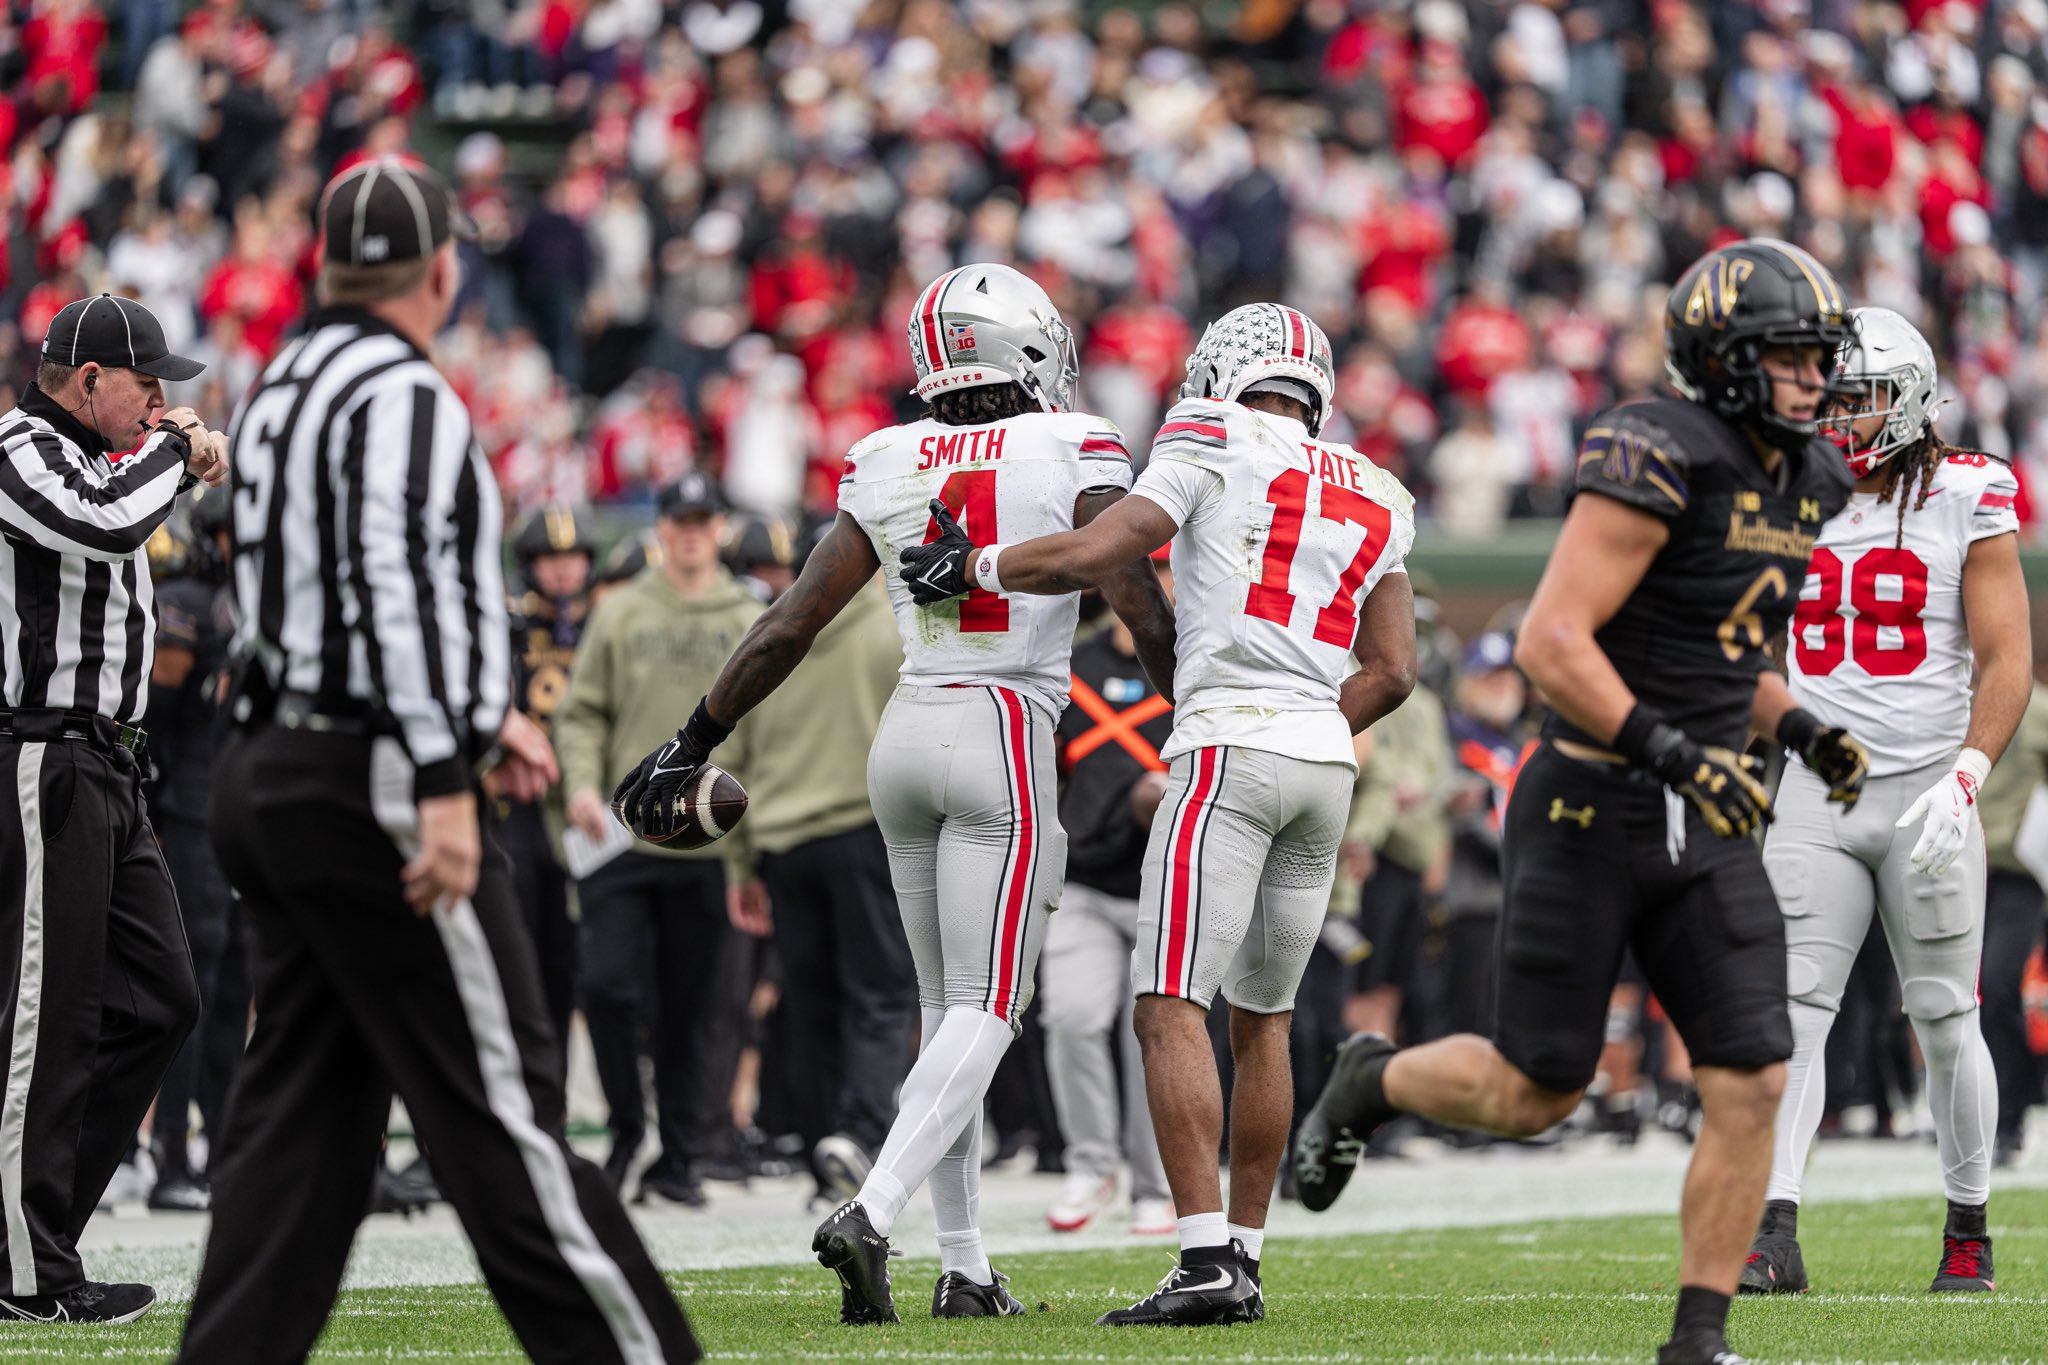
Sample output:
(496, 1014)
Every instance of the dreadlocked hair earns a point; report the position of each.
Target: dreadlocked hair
(978, 406)
(1918, 462)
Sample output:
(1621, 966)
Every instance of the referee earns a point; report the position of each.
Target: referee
(386, 949)
(99, 991)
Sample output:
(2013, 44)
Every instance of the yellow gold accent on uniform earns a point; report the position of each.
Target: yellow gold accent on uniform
(1758, 535)
(1744, 618)
(1809, 509)
(1560, 812)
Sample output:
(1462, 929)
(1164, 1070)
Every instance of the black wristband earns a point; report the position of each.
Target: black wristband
(702, 734)
(1798, 729)
(1634, 740)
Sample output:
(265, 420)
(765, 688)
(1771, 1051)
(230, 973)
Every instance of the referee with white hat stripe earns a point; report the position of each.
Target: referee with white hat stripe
(98, 983)
(386, 947)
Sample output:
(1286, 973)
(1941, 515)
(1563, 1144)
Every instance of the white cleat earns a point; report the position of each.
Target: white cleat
(1082, 1197)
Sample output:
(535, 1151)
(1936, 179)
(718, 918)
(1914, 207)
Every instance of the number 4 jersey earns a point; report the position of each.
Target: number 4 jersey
(1281, 539)
(1879, 645)
(1008, 481)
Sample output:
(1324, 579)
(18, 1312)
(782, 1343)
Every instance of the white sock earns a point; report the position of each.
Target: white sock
(1253, 1240)
(956, 1192)
(1963, 1093)
(941, 1095)
(1203, 1230)
(962, 1251)
(1806, 1092)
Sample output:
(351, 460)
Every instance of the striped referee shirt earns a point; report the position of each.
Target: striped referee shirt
(77, 620)
(366, 530)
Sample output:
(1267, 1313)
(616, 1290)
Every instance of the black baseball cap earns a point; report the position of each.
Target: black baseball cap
(115, 332)
(388, 210)
(691, 495)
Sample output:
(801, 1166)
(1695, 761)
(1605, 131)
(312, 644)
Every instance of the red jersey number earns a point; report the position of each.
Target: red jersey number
(1821, 652)
(970, 496)
(1272, 598)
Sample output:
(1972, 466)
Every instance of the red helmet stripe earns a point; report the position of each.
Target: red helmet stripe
(928, 318)
(1297, 335)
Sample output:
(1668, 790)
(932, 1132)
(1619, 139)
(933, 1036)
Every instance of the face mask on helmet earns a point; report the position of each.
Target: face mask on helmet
(1886, 372)
(988, 324)
(1262, 342)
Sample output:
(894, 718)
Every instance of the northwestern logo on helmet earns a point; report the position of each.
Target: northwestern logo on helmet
(1716, 292)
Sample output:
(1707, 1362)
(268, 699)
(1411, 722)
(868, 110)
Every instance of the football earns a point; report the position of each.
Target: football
(706, 809)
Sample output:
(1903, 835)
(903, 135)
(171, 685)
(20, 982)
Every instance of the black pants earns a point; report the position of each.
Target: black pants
(206, 1063)
(543, 891)
(2012, 927)
(653, 937)
(357, 996)
(99, 992)
(849, 988)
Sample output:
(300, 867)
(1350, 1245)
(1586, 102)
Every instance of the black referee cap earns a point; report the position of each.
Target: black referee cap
(118, 333)
(388, 210)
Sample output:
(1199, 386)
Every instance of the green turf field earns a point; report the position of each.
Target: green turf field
(1590, 1290)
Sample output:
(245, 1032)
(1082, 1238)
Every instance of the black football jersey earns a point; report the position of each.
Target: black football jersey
(1690, 640)
(544, 640)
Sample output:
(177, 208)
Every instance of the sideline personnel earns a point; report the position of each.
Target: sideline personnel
(386, 950)
(99, 988)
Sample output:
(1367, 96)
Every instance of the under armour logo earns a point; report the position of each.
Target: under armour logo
(1560, 812)
(1809, 509)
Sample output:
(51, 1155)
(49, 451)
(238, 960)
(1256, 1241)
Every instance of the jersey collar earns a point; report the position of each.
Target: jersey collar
(37, 403)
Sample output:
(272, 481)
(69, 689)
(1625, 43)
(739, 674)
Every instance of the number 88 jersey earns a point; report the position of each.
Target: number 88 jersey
(1282, 538)
(1878, 644)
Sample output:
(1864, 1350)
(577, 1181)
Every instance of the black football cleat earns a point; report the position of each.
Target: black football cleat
(1698, 1348)
(1965, 1267)
(956, 1296)
(1774, 1267)
(1197, 1294)
(1334, 1134)
(1251, 1272)
(92, 1301)
(848, 1245)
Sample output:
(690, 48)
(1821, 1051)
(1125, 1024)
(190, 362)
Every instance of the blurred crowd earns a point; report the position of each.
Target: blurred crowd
(702, 222)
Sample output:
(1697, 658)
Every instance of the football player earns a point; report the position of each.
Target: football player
(961, 774)
(1629, 828)
(1287, 569)
(1897, 604)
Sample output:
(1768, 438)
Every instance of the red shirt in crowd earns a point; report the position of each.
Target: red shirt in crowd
(264, 293)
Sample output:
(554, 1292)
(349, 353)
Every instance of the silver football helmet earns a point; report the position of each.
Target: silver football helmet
(1264, 342)
(1887, 369)
(989, 324)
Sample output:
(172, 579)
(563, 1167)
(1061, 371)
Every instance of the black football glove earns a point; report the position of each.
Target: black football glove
(1719, 782)
(937, 569)
(646, 800)
(1830, 751)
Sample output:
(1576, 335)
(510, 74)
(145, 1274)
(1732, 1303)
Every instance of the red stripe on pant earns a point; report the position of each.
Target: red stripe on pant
(1017, 903)
(1179, 875)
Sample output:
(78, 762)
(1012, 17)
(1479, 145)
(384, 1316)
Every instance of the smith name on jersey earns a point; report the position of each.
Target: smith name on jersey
(1281, 538)
(1691, 639)
(1004, 481)
(1879, 645)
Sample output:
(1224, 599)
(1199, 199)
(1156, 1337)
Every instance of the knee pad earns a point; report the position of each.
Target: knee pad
(1805, 983)
(1929, 999)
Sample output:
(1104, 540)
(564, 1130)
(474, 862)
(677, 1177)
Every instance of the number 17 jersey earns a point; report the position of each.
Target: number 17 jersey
(1281, 538)
(1007, 481)
(1879, 645)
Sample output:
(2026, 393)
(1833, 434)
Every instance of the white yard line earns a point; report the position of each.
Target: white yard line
(769, 1224)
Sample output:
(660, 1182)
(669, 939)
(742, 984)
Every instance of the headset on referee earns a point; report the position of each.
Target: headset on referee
(99, 988)
(386, 948)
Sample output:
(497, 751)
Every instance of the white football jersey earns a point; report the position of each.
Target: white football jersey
(1878, 645)
(1281, 539)
(1008, 481)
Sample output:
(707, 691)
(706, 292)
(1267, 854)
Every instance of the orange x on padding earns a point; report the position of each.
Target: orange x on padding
(1112, 724)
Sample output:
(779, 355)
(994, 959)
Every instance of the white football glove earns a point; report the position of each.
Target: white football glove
(1945, 813)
